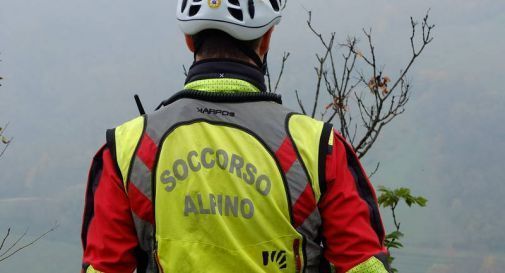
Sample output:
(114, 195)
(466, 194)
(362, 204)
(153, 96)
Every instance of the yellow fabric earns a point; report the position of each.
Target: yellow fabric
(306, 133)
(92, 270)
(127, 137)
(332, 138)
(222, 85)
(225, 180)
(372, 265)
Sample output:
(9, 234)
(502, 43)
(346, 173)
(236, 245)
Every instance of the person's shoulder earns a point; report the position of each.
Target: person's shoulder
(306, 121)
(134, 124)
(127, 132)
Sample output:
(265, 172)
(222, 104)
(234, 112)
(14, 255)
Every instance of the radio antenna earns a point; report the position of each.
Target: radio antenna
(139, 105)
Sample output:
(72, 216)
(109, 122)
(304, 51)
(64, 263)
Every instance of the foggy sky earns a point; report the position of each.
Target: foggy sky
(71, 69)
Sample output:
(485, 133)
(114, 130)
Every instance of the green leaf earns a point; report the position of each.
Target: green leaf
(394, 244)
(5, 140)
(387, 198)
(421, 201)
(395, 235)
(402, 192)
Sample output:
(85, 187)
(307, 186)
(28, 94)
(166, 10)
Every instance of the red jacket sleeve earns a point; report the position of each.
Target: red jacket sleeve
(108, 233)
(352, 228)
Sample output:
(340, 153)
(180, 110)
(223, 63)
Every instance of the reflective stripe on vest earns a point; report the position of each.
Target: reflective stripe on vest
(290, 156)
(90, 269)
(371, 265)
(127, 137)
(306, 133)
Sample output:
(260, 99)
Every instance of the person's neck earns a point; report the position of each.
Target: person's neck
(199, 58)
(211, 68)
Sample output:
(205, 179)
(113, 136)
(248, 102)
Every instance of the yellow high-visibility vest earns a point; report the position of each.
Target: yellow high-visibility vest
(215, 185)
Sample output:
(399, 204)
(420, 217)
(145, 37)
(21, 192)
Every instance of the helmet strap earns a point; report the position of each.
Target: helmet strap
(264, 68)
(198, 43)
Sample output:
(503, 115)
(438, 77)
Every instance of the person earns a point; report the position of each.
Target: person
(222, 177)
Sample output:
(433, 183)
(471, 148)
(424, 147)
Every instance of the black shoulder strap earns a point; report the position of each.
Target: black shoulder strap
(222, 97)
(325, 148)
(110, 136)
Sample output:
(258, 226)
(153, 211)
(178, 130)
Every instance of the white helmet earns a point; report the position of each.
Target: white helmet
(243, 19)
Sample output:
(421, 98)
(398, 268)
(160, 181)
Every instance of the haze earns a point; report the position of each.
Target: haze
(71, 69)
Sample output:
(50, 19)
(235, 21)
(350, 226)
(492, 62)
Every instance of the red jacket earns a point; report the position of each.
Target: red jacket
(352, 230)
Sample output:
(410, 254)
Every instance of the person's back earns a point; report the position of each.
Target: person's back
(223, 178)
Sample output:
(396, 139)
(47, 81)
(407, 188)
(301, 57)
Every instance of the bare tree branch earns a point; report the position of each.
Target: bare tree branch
(285, 58)
(185, 71)
(14, 244)
(380, 100)
(5, 238)
(320, 70)
(364, 99)
(12, 250)
(4, 140)
(375, 170)
(300, 103)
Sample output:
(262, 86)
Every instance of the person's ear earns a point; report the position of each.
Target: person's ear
(189, 42)
(265, 42)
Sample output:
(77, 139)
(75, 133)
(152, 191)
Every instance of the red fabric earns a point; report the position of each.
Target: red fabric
(304, 206)
(147, 151)
(349, 238)
(306, 203)
(111, 237)
(140, 204)
(347, 230)
(286, 155)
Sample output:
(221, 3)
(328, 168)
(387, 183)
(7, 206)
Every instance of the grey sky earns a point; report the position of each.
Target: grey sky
(72, 67)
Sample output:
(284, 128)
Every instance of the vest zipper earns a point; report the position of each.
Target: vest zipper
(298, 260)
(156, 258)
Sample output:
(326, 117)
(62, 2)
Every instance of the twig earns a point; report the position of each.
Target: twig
(14, 244)
(300, 103)
(395, 220)
(5, 238)
(5, 147)
(5, 255)
(285, 58)
(322, 60)
(185, 71)
(269, 80)
(374, 171)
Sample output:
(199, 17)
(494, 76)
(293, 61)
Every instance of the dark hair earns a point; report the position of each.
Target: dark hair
(213, 43)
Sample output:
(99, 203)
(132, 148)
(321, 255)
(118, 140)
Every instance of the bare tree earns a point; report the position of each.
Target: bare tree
(7, 249)
(363, 99)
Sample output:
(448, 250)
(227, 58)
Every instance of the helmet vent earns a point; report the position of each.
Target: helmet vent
(237, 14)
(275, 5)
(183, 6)
(234, 2)
(194, 9)
(252, 9)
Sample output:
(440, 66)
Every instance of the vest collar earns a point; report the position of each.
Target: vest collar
(224, 81)
(225, 75)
